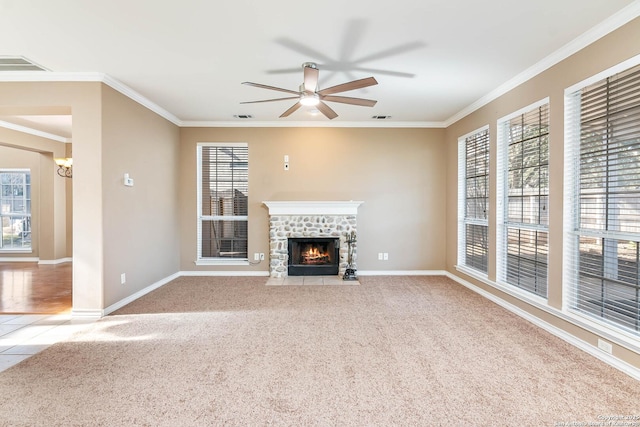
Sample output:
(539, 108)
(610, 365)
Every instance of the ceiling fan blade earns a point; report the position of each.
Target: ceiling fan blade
(291, 110)
(349, 100)
(344, 87)
(326, 110)
(310, 79)
(270, 100)
(271, 87)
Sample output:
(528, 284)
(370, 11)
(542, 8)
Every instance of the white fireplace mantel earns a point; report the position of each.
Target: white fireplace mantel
(313, 207)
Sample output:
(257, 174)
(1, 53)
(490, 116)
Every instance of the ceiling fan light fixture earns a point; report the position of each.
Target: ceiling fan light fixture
(309, 99)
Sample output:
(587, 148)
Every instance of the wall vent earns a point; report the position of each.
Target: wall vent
(243, 116)
(18, 63)
(381, 117)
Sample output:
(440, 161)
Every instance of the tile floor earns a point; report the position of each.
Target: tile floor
(310, 280)
(23, 335)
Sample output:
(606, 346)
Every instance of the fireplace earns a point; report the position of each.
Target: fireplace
(313, 256)
(309, 219)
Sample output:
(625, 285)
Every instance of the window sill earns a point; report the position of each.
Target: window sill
(16, 251)
(222, 261)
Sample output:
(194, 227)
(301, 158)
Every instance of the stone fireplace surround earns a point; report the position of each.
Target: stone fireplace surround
(309, 219)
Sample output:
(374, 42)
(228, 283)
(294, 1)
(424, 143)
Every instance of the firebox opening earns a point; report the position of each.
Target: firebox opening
(313, 256)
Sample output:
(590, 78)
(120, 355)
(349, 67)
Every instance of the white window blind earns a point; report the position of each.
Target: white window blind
(223, 189)
(603, 180)
(473, 200)
(15, 209)
(523, 196)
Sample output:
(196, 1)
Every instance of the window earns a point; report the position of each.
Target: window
(15, 210)
(603, 200)
(523, 196)
(473, 200)
(223, 178)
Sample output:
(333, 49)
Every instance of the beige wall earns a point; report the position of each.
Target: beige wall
(398, 173)
(141, 235)
(49, 215)
(605, 53)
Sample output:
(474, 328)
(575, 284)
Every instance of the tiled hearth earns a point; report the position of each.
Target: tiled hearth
(288, 219)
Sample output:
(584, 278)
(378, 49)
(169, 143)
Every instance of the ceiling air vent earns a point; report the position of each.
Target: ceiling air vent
(18, 63)
(381, 117)
(243, 116)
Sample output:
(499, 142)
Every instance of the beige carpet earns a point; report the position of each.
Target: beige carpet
(392, 351)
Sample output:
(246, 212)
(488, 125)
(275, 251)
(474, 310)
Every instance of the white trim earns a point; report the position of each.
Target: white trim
(374, 123)
(624, 65)
(605, 27)
(218, 273)
(223, 144)
(127, 91)
(54, 261)
(30, 131)
(571, 221)
(523, 110)
(19, 259)
(85, 313)
(140, 293)
(39, 76)
(221, 261)
(473, 132)
(609, 359)
(502, 191)
(313, 207)
(402, 273)
(461, 211)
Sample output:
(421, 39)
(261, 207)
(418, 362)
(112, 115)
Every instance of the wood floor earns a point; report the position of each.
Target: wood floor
(27, 287)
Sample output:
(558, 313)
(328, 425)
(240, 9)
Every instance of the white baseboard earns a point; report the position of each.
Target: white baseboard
(140, 293)
(88, 314)
(54, 261)
(401, 273)
(225, 273)
(607, 358)
(19, 259)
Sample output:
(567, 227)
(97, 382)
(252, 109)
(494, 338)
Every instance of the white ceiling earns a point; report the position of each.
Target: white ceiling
(434, 59)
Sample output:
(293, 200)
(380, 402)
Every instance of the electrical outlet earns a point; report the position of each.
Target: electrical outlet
(261, 256)
(605, 346)
(123, 279)
(286, 166)
(385, 256)
(256, 256)
(379, 256)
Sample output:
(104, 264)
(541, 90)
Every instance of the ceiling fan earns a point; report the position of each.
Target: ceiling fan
(310, 95)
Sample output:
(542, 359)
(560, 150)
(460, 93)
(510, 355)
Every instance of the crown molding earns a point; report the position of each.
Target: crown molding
(309, 124)
(30, 131)
(39, 76)
(127, 91)
(605, 27)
